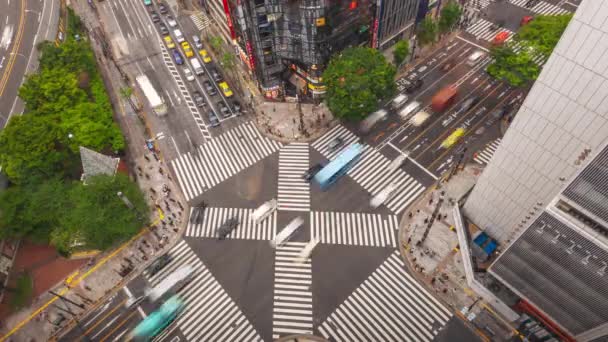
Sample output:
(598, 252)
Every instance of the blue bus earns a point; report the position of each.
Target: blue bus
(339, 166)
(158, 321)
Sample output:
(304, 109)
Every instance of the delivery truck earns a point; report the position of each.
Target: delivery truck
(444, 98)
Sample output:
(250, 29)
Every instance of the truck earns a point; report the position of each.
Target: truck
(444, 98)
(419, 119)
(156, 101)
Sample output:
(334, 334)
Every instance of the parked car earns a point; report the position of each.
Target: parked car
(187, 49)
(217, 77)
(158, 264)
(224, 109)
(177, 57)
(154, 16)
(310, 173)
(197, 42)
(225, 89)
(335, 144)
(171, 21)
(163, 29)
(198, 99)
(415, 85)
(188, 74)
(209, 88)
(169, 42)
(213, 120)
(162, 9)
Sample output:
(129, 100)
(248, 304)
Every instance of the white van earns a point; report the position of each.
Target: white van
(178, 35)
(399, 101)
(196, 66)
(409, 110)
(474, 57)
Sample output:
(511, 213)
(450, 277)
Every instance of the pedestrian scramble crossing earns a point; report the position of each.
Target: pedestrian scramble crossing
(294, 192)
(340, 132)
(292, 311)
(541, 7)
(389, 306)
(200, 20)
(355, 229)
(210, 314)
(247, 229)
(484, 156)
(221, 158)
(482, 30)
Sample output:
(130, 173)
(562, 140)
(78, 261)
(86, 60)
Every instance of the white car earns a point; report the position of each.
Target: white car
(170, 21)
(188, 73)
(383, 195)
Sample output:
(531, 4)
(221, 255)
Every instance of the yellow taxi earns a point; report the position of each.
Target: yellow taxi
(187, 49)
(205, 56)
(169, 42)
(225, 89)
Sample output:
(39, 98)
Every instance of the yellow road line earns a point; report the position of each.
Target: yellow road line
(118, 326)
(15, 50)
(100, 320)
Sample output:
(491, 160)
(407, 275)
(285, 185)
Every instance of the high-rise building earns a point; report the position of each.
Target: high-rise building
(544, 194)
(395, 20)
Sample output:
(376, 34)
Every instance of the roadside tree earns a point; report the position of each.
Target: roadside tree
(401, 51)
(427, 31)
(450, 14)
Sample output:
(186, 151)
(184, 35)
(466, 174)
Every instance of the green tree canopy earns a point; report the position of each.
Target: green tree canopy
(427, 31)
(216, 43)
(401, 51)
(357, 80)
(543, 33)
(450, 14)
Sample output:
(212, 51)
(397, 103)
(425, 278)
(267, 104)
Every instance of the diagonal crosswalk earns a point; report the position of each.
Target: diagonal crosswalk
(294, 192)
(292, 311)
(541, 7)
(212, 218)
(355, 229)
(484, 156)
(210, 314)
(338, 131)
(389, 306)
(482, 30)
(221, 158)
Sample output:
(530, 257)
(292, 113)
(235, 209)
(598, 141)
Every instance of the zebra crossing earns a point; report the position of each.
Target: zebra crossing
(484, 156)
(212, 219)
(480, 4)
(221, 158)
(292, 309)
(200, 20)
(389, 306)
(339, 132)
(294, 192)
(210, 314)
(355, 229)
(482, 30)
(541, 7)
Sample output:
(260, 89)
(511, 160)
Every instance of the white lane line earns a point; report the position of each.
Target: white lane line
(470, 42)
(46, 34)
(94, 318)
(117, 23)
(175, 144)
(130, 295)
(413, 161)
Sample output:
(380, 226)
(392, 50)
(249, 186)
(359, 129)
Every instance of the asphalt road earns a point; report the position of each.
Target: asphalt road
(23, 24)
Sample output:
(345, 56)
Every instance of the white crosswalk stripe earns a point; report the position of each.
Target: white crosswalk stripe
(338, 131)
(200, 20)
(542, 7)
(212, 219)
(355, 229)
(482, 29)
(221, 158)
(373, 174)
(210, 314)
(389, 306)
(484, 156)
(292, 312)
(294, 192)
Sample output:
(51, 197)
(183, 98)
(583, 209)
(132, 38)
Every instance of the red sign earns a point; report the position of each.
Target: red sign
(250, 54)
(229, 19)
(375, 34)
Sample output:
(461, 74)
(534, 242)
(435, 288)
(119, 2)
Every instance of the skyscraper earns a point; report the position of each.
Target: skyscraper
(544, 194)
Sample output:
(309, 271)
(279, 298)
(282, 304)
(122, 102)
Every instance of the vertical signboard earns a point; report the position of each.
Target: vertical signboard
(229, 19)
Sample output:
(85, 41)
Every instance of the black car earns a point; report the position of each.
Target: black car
(213, 120)
(310, 173)
(163, 29)
(209, 88)
(224, 109)
(162, 9)
(154, 16)
(236, 107)
(412, 87)
(158, 264)
(227, 227)
(198, 99)
(468, 103)
(217, 77)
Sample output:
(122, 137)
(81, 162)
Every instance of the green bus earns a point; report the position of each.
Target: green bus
(158, 321)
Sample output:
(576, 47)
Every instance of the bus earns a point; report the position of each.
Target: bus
(339, 166)
(171, 284)
(265, 210)
(287, 232)
(156, 101)
(158, 321)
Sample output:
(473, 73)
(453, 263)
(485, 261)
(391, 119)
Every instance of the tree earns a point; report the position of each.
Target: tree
(427, 31)
(357, 80)
(450, 14)
(401, 51)
(126, 92)
(216, 43)
(543, 33)
(228, 60)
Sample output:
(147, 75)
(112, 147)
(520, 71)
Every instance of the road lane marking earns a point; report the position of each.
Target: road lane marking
(15, 49)
(117, 327)
(470, 42)
(175, 144)
(130, 295)
(413, 161)
(103, 318)
(93, 319)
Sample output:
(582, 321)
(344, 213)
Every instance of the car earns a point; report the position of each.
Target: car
(197, 213)
(177, 57)
(499, 113)
(217, 77)
(198, 99)
(225, 89)
(224, 109)
(335, 144)
(187, 49)
(188, 74)
(169, 42)
(197, 42)
(205, 56)
(310, 173)
(148, 2)
(449, 64)
(227, 227)
(213, 120)
(209, 88)
(171, 21)
(163, 9)
(163, 29)
(154, 16)
(415, 85)
(236, 107)
(468, 103)
(158, 264)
